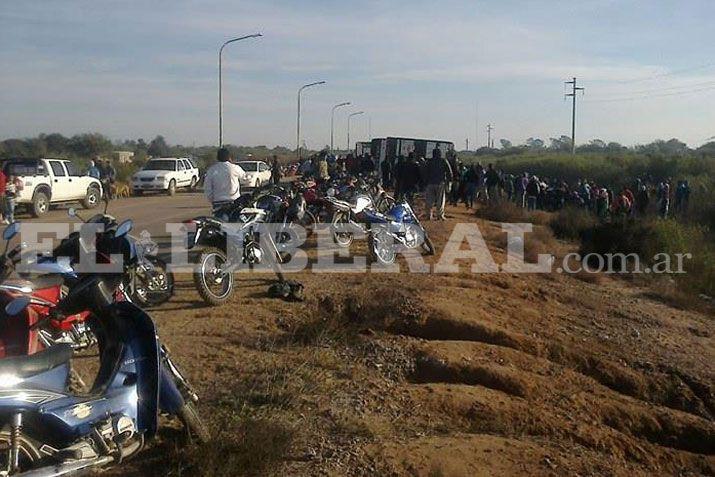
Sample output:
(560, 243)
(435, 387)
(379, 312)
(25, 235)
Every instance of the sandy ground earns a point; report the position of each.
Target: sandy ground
(426, 374)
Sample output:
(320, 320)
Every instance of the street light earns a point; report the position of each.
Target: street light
(220, 83)
(350, 116)
(300, 90)
(332, 119)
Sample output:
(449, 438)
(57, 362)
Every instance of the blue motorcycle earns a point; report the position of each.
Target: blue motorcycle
(45, 430)
(399, 226)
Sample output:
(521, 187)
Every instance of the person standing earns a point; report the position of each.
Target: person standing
(409, 178)
(471, 179)
(437, 174)
(386, 171)
(3, 199)
(93, 171)
(13, 187)
(521, 183)
(276, 174)
(533, 188)
(222, 182)
(492, 180)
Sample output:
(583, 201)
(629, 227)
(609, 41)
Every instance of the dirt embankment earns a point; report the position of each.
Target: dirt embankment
(460, 374)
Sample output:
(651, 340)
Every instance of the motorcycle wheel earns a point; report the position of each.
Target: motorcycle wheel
(194, 425)
(342, 238)
(383, 254)
(145, 295)
(29, 453)
(207, 274)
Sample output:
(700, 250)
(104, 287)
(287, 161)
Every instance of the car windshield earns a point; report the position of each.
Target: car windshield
(249, 166)
(160, 166)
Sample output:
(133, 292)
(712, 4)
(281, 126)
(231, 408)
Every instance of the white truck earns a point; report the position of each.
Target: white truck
(165, 174)
(52, 181)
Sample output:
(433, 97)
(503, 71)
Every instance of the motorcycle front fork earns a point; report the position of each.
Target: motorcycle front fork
(13, 461)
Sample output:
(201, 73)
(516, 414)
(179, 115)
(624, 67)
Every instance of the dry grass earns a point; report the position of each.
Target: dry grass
(509, 212)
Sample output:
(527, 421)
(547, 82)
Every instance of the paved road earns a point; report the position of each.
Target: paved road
(149, 212)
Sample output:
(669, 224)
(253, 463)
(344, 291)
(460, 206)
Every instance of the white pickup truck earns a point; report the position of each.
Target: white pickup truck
(52, 181)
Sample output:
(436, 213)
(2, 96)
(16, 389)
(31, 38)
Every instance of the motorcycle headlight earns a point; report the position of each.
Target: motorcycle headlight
(9, 380)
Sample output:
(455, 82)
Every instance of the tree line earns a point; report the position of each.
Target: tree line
(84, 147)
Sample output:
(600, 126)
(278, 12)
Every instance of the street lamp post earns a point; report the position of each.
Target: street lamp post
(350, 116)
(220, 83)
(300, 90)
(332, 120)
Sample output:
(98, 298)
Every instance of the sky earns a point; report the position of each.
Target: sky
(441, 69)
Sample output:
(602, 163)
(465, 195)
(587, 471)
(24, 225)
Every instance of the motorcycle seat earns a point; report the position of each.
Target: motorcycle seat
(33, 364)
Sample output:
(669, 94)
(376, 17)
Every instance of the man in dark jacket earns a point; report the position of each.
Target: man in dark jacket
(437, 173)
(410, 177)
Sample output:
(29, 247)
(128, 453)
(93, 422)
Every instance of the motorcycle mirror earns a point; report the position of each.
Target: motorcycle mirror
(124, 228)
(11, 230)
(16, 306)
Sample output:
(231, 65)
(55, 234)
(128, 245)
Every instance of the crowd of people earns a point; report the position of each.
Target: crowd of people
(447, 180)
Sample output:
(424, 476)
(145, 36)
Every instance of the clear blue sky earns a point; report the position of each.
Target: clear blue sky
(139, 68)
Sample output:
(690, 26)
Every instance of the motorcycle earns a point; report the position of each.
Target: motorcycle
(346, 217)
(148, 281)
(45, 430)
(399, 226)
(45, 285)
(220, 256)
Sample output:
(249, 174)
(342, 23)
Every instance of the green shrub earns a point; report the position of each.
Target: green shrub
(571, 223)
(648, 238)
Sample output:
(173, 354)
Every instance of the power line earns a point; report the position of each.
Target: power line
(664, 95)
(572, 94)
(658, 90)
(670, 73)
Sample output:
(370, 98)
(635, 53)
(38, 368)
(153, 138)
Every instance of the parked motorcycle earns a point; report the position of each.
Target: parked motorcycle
(45, 430)
(148, 281)
(44, 282)
(221, 256)
(399, 226)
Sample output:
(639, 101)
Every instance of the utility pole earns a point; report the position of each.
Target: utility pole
(572, 94)
(220, 82)
(350, 116)
(332, 121)
(297, 134)
(489, 135)
(466, 148)
(476, 126)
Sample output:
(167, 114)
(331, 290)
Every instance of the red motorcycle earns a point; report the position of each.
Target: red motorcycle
(22, 334)
(44, 282)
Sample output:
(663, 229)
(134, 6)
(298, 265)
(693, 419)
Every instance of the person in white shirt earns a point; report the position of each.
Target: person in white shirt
(222, 182)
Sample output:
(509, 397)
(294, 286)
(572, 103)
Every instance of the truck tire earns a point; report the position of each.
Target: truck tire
(172, 187)
(40, 203)
(92, 198)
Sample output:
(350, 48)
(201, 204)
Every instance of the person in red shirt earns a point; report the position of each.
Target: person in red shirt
(3, 186)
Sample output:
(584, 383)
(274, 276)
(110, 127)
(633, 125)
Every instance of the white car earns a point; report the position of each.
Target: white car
(52, 181)
(258, 173)
(165, 174)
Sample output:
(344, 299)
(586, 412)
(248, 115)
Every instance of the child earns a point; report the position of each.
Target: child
(12, 188)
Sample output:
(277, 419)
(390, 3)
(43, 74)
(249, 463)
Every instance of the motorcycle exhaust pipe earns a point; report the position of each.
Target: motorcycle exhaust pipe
(78, 467)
